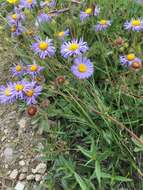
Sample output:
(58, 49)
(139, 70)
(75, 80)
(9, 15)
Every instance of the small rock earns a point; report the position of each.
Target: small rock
(30, 177)
(33, 171)
(22, 163)
(22, 123)
(3, 138)
(24, 170)
(6, 131)
(8, 173)
(6, 166)
(21, 157)
(14, 174)
(41, 169)
(38, 177)
(40, 146)
(8, 154)
(22, 176)
(19, 186)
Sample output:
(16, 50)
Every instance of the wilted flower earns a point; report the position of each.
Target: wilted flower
(43, 48)
(6, 94)
(34, 69)
(73, 47)
(32, 92)
(30, 32)
(102, 25)
(134, 25)
(82, 68)
(39, 79)
(17, 70)
(93, 11)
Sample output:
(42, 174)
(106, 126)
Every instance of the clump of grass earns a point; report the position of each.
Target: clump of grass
(96, 141)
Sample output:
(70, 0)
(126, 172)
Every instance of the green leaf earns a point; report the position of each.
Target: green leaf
(81, 182)
(122, 179)
(98, 172)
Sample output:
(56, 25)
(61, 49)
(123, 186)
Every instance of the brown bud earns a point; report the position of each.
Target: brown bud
(136, 65)
(32, 110)
(60, 80)
(119, 41)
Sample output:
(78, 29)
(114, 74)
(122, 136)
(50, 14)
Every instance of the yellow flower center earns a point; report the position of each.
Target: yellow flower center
(82, 68)
(13, 28)
(73, 47)
(33, 68)
(14, 16)
(30, 93)
(7, 92)
(19, 87)
(18, 68)
(88, 11)
(131, 57)
(43, 45)
(103, 22)
(29, 1)
(61, 34)
(12, 1)
(136, 23)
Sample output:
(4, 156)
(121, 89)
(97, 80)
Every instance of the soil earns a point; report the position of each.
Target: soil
(18, 137)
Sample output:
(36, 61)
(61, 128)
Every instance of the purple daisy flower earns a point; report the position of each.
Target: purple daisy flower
(15, 17)
(63, 34)
(32, 93)
(17, 29)
(30, 4)
(44, 48)
(50, 3)
(102, 25)
(19, 88)
(134, 25)
(6, 94)
(89, 12)
(82, 68)
(34, 69)
(43, 17)
(127, 60)
(73, 47)
(17, 70)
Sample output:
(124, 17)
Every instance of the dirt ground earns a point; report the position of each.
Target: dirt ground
(18, 139)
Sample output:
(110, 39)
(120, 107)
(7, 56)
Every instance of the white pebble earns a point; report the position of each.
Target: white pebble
(14, 174)
(19, 186)
(22, 176)
(22, 163)
(41, 168)
(38, 177)
(30, 177)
